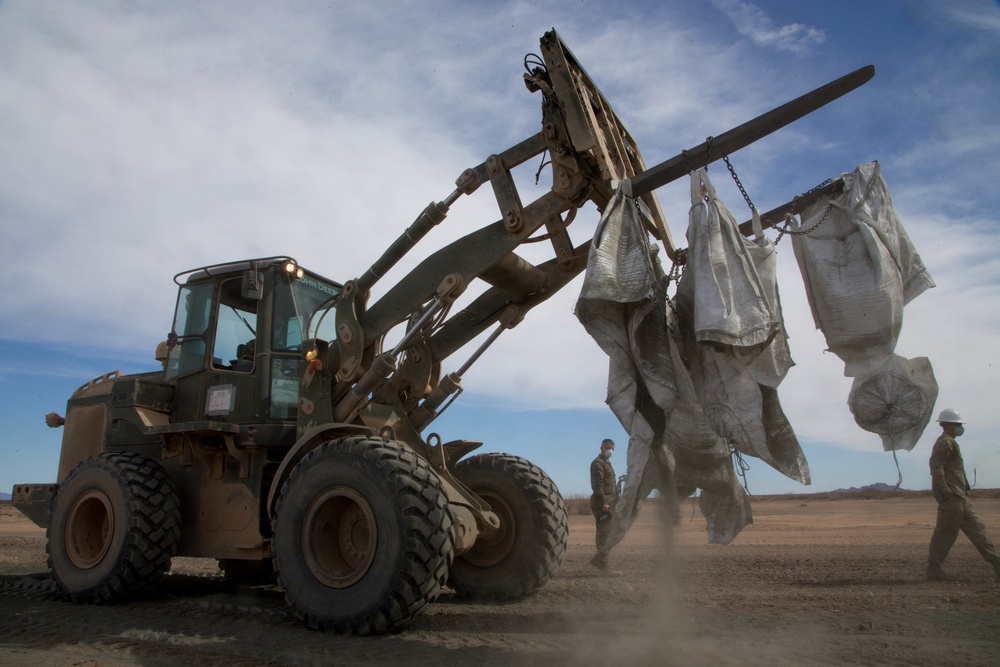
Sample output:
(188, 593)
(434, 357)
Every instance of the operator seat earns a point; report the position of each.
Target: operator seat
(244, 357)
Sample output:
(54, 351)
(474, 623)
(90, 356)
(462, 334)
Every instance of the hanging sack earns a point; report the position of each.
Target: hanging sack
(860, 269)
(895, 399)
(731, 307)
(622, 305)
(771, 365)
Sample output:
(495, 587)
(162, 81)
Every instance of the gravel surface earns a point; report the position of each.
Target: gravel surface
(812, 582)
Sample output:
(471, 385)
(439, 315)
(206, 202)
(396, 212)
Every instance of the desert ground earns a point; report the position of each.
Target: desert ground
(815, 581)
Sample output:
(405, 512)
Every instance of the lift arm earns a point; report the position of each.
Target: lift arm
(590, 152)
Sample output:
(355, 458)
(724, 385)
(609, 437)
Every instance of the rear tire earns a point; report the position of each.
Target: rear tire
(362, 536)
(531, 542)
(115, 526)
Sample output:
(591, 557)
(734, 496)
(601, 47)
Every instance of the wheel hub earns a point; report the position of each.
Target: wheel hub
(89, 529)
(339, 537)
(492, 547)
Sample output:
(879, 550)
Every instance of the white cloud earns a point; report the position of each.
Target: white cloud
(979, 14)
(753, 22)
(140, 140)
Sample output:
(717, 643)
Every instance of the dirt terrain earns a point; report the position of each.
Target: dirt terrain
(812, 582)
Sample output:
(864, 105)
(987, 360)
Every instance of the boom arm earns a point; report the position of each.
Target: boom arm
(591, 151)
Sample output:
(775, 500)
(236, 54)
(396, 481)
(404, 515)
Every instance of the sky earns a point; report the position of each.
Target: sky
(142, 139)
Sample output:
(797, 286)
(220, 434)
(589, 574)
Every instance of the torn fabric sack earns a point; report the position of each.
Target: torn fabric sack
(771, 365)
(860, 268)
(622, 305)
(704, 460)
(722, 289)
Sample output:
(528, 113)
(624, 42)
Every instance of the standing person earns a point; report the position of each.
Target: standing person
(605, 493)
(951, 489)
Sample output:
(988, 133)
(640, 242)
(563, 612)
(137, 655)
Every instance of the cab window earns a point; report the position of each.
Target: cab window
(236, 330)
(188, 338)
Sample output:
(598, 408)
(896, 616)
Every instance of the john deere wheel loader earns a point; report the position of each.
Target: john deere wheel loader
(283, 434)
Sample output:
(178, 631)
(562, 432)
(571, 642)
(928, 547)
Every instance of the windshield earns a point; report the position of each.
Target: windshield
(304, 309)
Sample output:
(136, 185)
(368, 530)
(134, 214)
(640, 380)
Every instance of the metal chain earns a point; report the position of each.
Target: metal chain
(812, 190)
(676, 269)
(802, 232)
(676, 272)
(746, 197)
(708, 153)
(783, 230)
(671, 305)
(743, 191)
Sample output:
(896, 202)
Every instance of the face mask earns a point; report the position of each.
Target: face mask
(607, 453)
(959, 430)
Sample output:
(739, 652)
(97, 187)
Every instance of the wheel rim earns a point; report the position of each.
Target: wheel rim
(339, 536)
(493, 548)
(89, 529)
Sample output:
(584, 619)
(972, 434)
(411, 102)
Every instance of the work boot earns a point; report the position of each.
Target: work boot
(936, 573)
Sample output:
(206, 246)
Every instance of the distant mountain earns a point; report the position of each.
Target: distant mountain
(4, 496)
(877, 486)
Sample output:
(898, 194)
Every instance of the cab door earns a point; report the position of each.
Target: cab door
(213, 353)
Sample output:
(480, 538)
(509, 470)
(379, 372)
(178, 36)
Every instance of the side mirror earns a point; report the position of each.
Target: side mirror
(253, 285)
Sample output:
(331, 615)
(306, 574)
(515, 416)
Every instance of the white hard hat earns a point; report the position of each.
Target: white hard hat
(950, 416)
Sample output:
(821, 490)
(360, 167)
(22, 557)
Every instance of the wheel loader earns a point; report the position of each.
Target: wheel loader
(283, 435)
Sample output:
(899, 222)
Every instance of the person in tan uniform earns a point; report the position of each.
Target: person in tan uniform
(951, 489)
(602, 500)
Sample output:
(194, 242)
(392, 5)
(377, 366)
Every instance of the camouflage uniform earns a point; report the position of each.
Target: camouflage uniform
(602, 482)
(951, 489)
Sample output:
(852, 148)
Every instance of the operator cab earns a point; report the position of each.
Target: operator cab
(237, 336)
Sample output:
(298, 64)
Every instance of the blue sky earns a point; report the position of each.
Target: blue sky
(141, 139)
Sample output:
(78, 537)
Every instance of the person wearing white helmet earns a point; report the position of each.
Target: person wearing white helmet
(950, 487)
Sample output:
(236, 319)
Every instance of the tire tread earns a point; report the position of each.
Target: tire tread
(153, 532)
(550, 548)
(427, 536)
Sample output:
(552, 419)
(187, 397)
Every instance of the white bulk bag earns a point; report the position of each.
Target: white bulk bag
(771, 365)
(860, 269)
(722, 291)
(895, 399)
(731, 308)
(622, 305)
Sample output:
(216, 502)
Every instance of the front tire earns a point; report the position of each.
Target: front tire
(115, 526)
(362, 536)
(527, 549)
